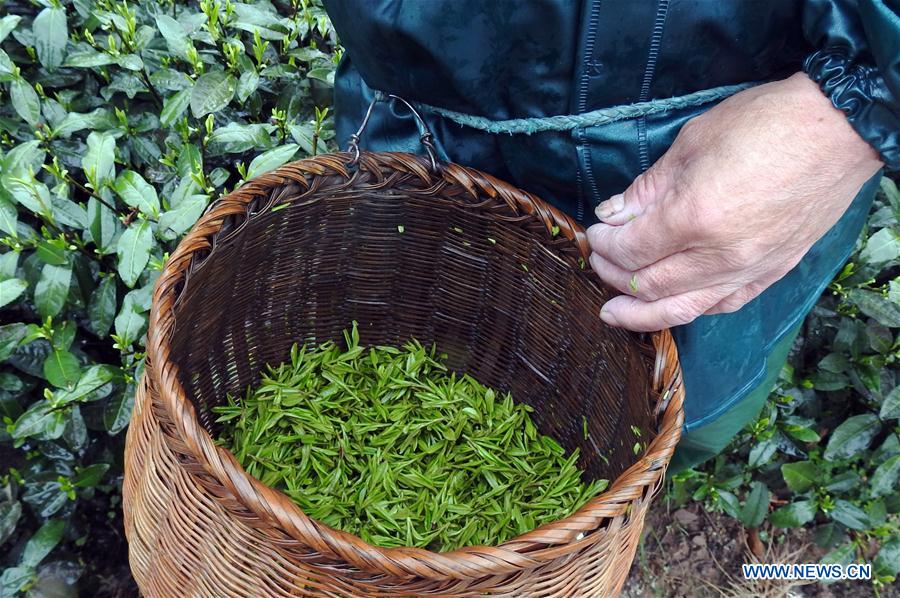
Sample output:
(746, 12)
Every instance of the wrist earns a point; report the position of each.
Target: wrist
(830, 128)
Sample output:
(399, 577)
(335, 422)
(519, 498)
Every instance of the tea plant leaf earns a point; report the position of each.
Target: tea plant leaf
(326, 75)
(10, 336)
(15, 579)
(800, 476)
(31, 194)
(852, 436)
(234, 138)
(880, 337)
(102, 306)
(890, 408)
(828, 535)
(75, 434)
(41, 421)
(25, 101)
(174, 107)
(304, 135)
(117, 411)
(92, 379)
(11, 289)
(24, 157)
(247, 84)
(132, 62)
(52, 289)
(52, 252)
(843, 482)
(9, 217)
(848, 514)
(99, 160)
(10, 511)
(212, 92)
(42, 542)
(90, 476)
(886, 477)
(795, 514)
(874, 305)
(130, 323)
(842, 555)
(755, 508)
(173, 33)
(62, 369)
(762, 452)
(50, 37)
(801, 433)
(829, 381)
(134, 251)
(8, 24)
(179, 219)
(9, 262)
(137, 193)
(835, 363)
(271, 159)
(888, 560)
(7, 68)
(883, 246)
(102, 224)
(82, 56)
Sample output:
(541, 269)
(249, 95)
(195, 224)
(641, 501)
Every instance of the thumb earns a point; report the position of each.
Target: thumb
(644, 190)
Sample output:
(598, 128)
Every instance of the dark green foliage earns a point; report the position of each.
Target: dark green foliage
(119, 123)
(827, 444)
(386, 444)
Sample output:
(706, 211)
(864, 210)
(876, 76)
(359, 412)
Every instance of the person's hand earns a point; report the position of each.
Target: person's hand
(734, 204)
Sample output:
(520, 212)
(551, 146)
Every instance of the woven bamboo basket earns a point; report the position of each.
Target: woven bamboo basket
(490, 274)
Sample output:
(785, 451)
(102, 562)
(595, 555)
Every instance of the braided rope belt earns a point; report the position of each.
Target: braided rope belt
(568, 122)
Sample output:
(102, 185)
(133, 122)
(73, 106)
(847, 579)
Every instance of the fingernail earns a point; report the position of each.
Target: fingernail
(611, 206)
(609, 317)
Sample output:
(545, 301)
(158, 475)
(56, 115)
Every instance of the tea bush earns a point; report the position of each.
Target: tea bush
(119, 122)
(825, 451)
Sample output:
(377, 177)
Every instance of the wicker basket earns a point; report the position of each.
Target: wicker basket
(444, 254)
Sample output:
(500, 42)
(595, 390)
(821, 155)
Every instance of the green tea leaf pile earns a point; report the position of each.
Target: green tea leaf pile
(387, 444)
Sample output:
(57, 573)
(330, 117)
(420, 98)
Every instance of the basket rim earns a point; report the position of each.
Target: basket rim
(638, 483)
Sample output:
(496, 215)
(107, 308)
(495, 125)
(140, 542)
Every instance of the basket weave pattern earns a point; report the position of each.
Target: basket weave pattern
(487, 272)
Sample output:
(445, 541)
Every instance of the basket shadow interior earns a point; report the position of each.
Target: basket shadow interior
(443, 259)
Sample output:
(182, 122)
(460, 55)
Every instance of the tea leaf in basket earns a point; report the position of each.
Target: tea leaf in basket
(387, 444)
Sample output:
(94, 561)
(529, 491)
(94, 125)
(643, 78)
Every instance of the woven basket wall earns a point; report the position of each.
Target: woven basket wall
(490, 274)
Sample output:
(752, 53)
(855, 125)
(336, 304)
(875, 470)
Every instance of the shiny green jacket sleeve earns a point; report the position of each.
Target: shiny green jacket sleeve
(857, 65)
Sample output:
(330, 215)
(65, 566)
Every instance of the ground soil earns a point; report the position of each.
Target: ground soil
(687, 552)
(106, 573)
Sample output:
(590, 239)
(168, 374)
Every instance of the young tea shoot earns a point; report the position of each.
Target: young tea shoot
(388, 444)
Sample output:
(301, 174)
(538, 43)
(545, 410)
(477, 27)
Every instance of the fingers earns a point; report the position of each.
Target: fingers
(609, 209)
(643, 316)
(736, 300)
(670, 293)
(647, 188)
(638, 243)
(616, 211)
(679, 273)
(634, 232)
(749, 292)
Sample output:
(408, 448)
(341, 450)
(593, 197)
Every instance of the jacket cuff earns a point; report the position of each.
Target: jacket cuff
(859, 91)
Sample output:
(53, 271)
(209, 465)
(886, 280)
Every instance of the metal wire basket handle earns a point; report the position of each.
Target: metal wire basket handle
(425, 135)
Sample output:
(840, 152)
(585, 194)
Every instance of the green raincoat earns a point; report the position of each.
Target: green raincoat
(484, 62)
